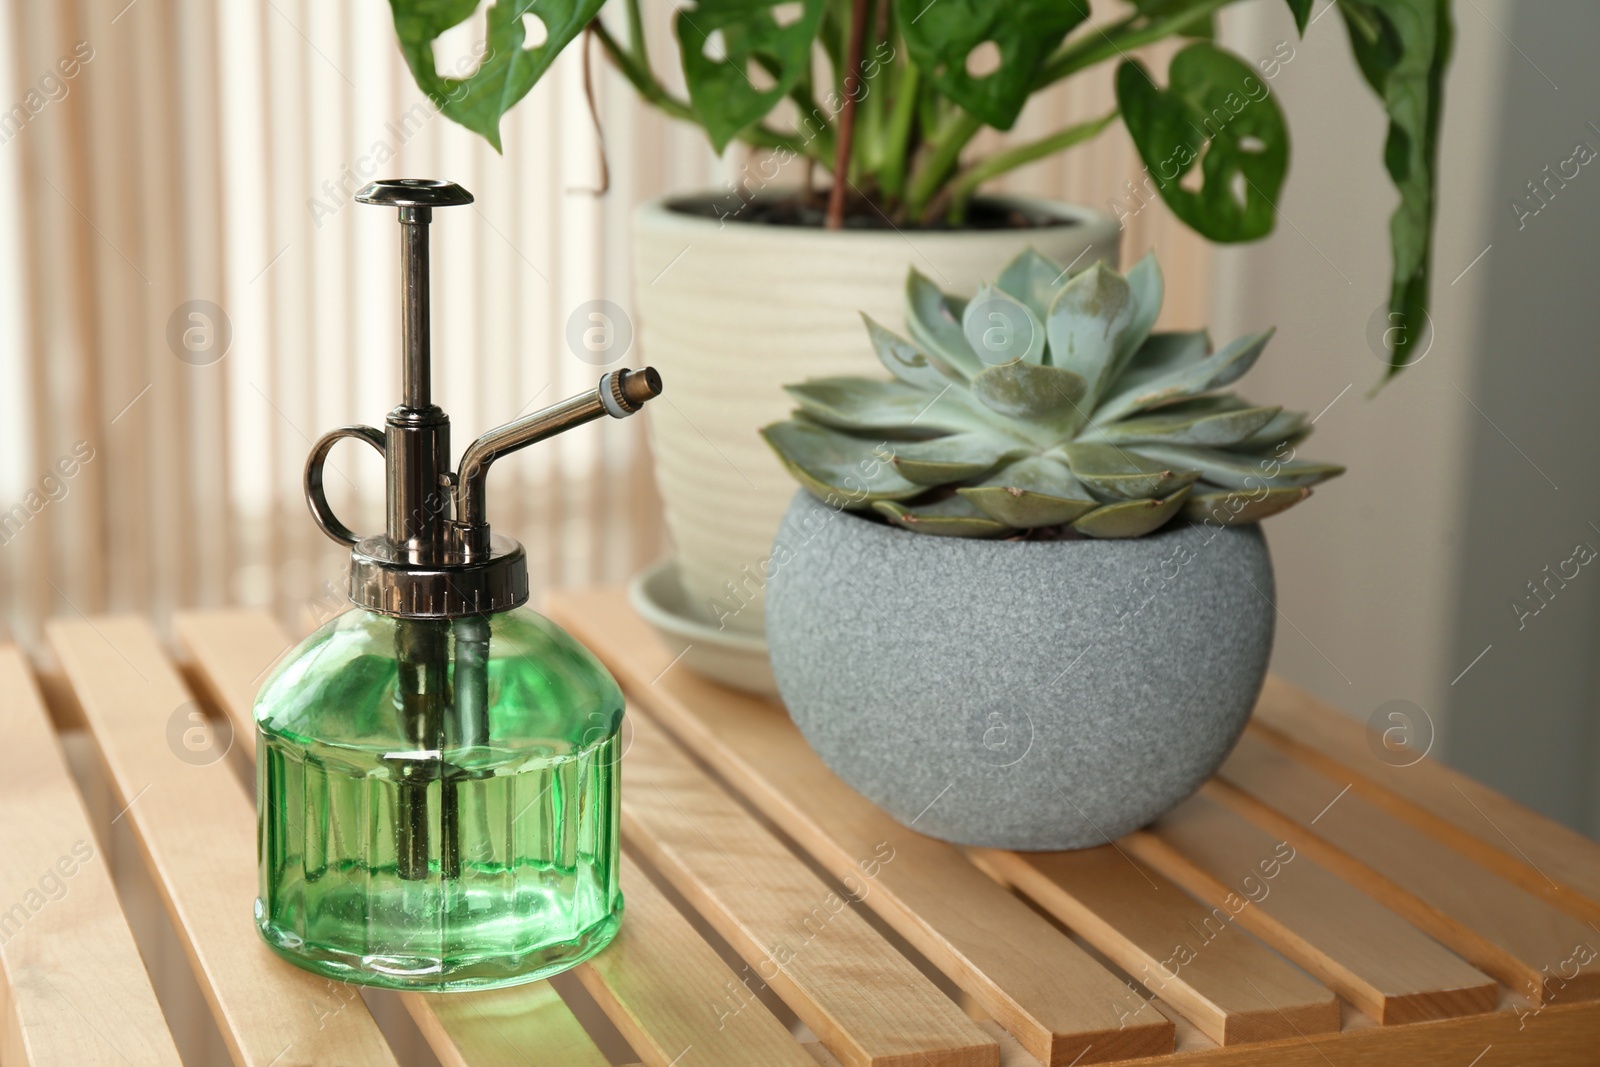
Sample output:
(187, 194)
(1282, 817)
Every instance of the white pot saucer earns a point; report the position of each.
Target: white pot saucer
(731, 657)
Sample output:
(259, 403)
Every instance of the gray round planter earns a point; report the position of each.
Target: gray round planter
(1023, 695)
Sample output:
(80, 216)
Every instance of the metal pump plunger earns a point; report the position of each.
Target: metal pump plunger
(437, 567)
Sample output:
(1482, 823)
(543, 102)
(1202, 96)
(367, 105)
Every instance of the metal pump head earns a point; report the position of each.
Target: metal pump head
(437, 558)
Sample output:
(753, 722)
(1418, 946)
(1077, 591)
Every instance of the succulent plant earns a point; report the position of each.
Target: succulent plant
(1046, 404)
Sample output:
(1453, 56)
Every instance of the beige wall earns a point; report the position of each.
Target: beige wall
(1402, 572)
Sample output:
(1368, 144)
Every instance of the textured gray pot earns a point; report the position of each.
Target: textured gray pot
(1025, 695)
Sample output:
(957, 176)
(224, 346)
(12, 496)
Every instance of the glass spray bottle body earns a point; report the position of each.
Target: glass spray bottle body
(437, 775)
(440, 801)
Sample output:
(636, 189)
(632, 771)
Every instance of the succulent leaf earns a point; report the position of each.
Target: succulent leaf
(1286, 428)
(1000, 328)
(1240, 470)
(1088, 320)
(1210, 404)
(1148, 289)
(902, 359)
(864, 404)
(1114, 473)
(1032, 492)
(1237, 507)
(1105, 428)
(956, 458)
(1028, 391)
(1131, 518)
(1033, 279)
(952, 517)
(1146, 386)
(1160, 354)
(1217, 429)
(935, 328)
(836, 466)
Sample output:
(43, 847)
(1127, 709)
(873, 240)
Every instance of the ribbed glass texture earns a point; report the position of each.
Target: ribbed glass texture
(438, 802)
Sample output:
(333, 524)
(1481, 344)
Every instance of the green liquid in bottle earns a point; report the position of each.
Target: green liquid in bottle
(428, 851)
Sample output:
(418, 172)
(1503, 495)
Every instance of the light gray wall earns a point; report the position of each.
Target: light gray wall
(1524, 719)
(1395, 577)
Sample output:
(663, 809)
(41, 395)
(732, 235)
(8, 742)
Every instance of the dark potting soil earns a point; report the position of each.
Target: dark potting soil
(796, 210)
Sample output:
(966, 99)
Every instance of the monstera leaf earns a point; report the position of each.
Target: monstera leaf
(1216, 113)
(1402, 48)
(724, 98)
(507, 70)
(941, 36)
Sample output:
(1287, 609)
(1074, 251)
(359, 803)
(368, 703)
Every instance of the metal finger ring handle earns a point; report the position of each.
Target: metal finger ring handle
(317, 497)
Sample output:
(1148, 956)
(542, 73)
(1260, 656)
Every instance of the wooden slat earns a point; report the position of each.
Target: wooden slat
(232, 652)
(674, 998)
(73, 989)
(1191, 956)
(197, 831)
(1537, 853)
(664, 999)
(866, 1002)
(1363, 951)
(1562, 1035)
(1504, 930)
(503, 1028)
(1061, 1005)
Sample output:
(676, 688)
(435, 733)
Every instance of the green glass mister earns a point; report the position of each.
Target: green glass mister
(438, 768)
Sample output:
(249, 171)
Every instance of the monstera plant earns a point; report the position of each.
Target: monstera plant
(907, 85)
(1047, 406)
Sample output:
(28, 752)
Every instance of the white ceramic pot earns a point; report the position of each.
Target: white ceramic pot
(731, 311)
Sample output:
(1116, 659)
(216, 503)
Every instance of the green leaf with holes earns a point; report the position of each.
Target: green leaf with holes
(722, 75)
(942, 37)
(1402, 48)
(508, 68)
(1301, 10)
(1216, 113)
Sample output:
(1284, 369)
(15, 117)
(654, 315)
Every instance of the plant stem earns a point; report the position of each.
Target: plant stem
(641, 77)
(638, 47)
(965, 184)
(845, 141)
(892, 176)
(951, 137)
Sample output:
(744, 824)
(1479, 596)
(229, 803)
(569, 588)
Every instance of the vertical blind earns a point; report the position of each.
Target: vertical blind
(189, 295)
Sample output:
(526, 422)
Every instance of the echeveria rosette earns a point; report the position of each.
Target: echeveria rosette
(1047, 403)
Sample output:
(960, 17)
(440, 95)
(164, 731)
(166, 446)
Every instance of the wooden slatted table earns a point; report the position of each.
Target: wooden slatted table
(1313, 905)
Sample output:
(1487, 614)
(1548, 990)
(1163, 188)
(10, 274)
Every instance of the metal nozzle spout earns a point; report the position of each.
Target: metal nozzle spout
(619, 394)
(640, 385)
